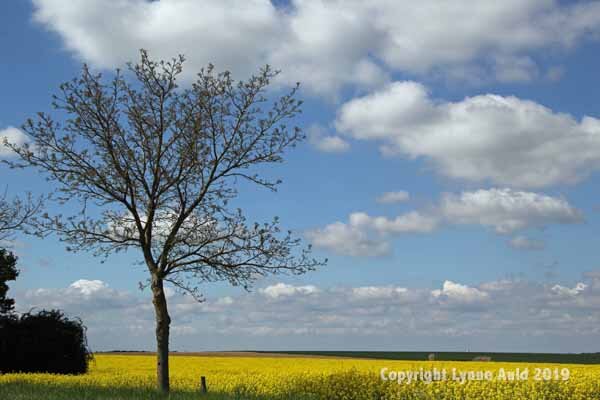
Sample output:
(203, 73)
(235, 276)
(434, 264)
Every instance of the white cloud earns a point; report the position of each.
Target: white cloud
(457, 32)
(14, 136)
(565, 291)
(507, 210)
(108, 34)
(322, 45)
(88, 287)
(332, 144)
(462, 294)
(504, 210)
(225, 301)
(80, 298)
(356, 237)
(326, 143)
(412, 222)
(325, 44)
(285, 290)
(393, 197)
(344, 239)
(503, 140)
(378, 292)
(525, 243)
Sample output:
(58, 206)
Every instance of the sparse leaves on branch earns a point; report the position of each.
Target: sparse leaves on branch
(17, 214)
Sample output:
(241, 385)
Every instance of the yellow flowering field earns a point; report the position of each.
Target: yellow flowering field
(334, 378)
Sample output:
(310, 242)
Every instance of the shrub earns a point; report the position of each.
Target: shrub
(46, 341)
(8, 272)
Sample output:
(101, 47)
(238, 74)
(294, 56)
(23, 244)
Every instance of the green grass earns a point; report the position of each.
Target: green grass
(29, 391)
(555, 358)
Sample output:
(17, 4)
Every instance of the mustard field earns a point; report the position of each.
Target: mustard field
(133, 376)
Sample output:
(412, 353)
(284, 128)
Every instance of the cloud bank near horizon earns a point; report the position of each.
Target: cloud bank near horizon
(505, 314)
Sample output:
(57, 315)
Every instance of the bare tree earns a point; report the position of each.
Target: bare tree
(16, 213)
(154, 167)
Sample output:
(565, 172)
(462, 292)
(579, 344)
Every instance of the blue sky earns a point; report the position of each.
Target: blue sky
(488, 126)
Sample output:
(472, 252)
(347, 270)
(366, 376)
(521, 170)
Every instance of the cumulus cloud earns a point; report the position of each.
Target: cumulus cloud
(503, 140)
(507, 210)
(525, 243)
(508, 313)
(326, 44)
(318, 138)
(332, 144)
(412, 222)
(462, 294)
(569, 292)
(393, 197)
(88, 287)
(283, 290)
(108, 34)
(81, 297)
(355, 238)
(378, 292)
(14, 136)
(345, 239)
(504, 210)
(459, 32)
(227, 300)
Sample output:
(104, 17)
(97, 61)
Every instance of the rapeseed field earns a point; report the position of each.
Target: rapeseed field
(133, 376)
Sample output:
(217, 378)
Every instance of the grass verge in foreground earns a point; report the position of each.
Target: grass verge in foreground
(29, 391)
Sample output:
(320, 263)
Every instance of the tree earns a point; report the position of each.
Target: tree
(155, 167)
(8, 272)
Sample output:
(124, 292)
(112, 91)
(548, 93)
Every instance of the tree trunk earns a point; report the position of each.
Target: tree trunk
(162, 333)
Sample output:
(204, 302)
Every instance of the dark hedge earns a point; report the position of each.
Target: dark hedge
(46, 341)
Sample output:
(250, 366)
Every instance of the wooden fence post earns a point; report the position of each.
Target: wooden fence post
(203, 388)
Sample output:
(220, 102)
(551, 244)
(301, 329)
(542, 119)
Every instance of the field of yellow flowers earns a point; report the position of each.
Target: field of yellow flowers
(132, 376)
